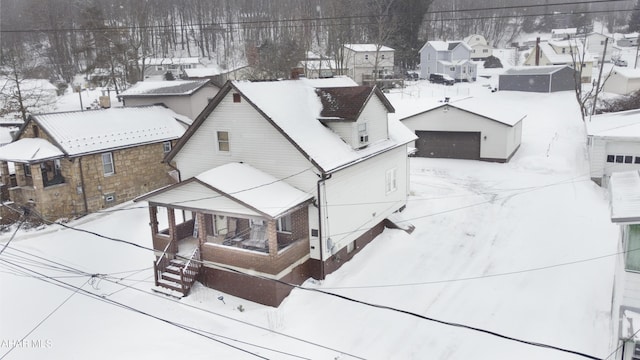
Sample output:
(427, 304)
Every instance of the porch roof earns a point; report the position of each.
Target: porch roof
(233, 189)
(30, 150)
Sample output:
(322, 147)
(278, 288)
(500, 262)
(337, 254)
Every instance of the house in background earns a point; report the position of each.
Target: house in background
(624, 188)
(595, 44)
(158, 67)
(361, 61)
(623, 81)
(185, 97)
(286, 179)
(317, 66)
(74, 163)
(470, 128)
(217, 74)
(480, 48)
(563, 34)
(613, 144)
(567, 52)
(544, 79)
(37, 95)
(452, 58)
(627, 40)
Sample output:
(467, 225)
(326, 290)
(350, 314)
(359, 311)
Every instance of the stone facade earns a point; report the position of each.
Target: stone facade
(85, 187)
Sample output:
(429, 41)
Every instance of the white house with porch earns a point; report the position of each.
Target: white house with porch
(283, 179)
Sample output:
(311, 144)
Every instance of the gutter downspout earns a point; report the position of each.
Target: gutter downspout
(84, 194)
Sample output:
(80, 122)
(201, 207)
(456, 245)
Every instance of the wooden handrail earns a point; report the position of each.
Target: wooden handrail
(190, 271)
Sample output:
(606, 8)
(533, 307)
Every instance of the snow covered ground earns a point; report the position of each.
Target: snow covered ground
(515, 248)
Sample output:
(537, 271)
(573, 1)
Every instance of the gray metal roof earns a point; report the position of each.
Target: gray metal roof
(534, 70)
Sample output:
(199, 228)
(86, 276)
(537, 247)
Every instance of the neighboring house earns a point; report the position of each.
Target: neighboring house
(566, 52)
(362, 60)
(595, 44)
(625, 211)
(37, 96)
(470, 128)
(283, 179)
(158, 67)
(627, 40)
(622, 81)
(186, 97)
(74, 163)
(452, 58)
(613, 142)
(217, 74)
(563, 34)
(545, 79)
(317, 66)
(480, 48)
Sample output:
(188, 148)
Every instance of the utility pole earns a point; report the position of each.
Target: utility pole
(595, 97)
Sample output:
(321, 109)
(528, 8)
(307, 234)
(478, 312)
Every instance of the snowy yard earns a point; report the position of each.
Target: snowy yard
(515, 248)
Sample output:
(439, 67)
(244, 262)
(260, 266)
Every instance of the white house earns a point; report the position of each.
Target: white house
(452, 58)
(622, 81)
(624, 188)
(160, 66)
(594, 43)
(563, 34)
(480, 48)
(613, 142)
(287, 179)
(318, 66)
(362, 60)
(567, 52)
(470, 128)
(185, 97)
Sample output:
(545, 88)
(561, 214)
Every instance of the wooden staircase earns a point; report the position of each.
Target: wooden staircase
(177, 274)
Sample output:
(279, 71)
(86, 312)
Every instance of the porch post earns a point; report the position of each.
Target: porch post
(173, 234)
(153, 219)
(272, 235)
(202, 230)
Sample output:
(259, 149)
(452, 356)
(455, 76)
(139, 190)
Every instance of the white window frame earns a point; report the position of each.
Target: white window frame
(391, 180)
(166, 147)
(226, 141)
(282, 222)
(363, 134)
(108, 156)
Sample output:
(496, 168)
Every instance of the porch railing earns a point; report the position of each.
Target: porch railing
(190, 271)
(160, 265)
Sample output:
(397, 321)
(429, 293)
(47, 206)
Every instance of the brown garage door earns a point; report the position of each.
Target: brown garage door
(448, 144)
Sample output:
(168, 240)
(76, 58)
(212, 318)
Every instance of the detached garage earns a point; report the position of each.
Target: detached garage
(544, 79)
(622, 81)
(471, 128)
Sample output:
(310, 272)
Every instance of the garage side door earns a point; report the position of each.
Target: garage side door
(448, 144)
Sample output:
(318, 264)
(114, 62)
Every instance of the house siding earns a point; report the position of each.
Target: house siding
(354, 200)
(189, 106)
(253, 140)
(357, 65)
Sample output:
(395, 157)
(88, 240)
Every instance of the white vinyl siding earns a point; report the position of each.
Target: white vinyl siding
(254, 141)
(189, 106)
(355, 199)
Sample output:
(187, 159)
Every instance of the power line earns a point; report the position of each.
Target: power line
(321, 19)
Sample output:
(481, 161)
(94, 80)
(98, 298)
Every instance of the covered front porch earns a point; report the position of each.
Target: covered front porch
(264, 228)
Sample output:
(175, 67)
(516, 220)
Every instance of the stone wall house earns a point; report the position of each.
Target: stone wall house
(74, 163)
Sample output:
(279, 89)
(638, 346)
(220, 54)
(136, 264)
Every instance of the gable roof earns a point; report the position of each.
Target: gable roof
(560, 58)
(30, 150)
(534, 70)
(492, 110)
(233, 188)
(623, 124)
(439, 45)
(82, 132)
(164, 88)
(293, 108)
(629, 73)
(367, 47)
(625, 196)
(346, 103)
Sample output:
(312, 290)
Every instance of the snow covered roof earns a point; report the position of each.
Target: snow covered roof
(233, 188)
(164, 88)
(335, 81)
(210, 71)
(534, 70)
(367, 47)
(625, 196)
(439, 45)
(629, 73)
(319, 64)
(6, 85)
(492, 110)
(295, 108)
(170, 61)
(623, 124)
(565, 58)
(30, 150)
(567, 31)
(81, 132)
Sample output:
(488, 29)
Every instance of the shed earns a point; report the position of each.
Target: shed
(622, 81)
(544, 79)
(467, 129)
